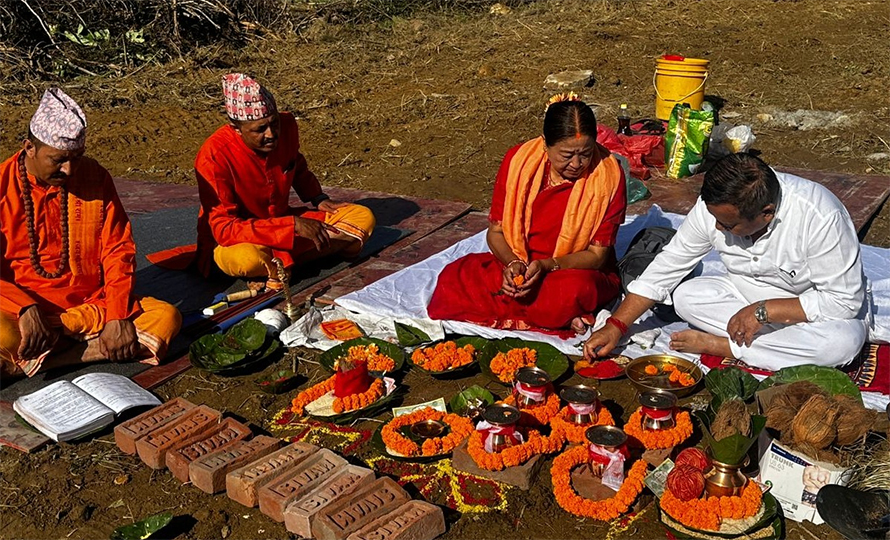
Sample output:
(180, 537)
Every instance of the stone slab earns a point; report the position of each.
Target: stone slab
(590, 486)
(520, 476)
(344, 517)
(208, 473)
(414, 520)
(226, 433)
(657, 456)
(127, 433)
(301, 513)
(300, 481)
(153, 447)
(242, 484)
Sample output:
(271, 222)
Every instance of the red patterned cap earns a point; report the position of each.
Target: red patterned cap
(246, 99)
(59, 121)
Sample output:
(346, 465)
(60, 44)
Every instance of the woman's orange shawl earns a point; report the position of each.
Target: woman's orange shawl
(586, 207)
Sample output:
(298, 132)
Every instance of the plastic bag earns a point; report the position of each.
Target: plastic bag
(730, 139)
(636, 190)
(686, 140)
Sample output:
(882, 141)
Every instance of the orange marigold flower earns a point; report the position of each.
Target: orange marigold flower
(459, 429)
(651, 369)
(443, 356)
(576, 433)
(538, 415)
(360, 401)
(505, 365)
(708, 513)
(663, 438)
(518, 279)
(311, 394)
(603, 510)
(515, 455)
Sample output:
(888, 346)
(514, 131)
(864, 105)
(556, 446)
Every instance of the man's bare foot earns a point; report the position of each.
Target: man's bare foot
(582, 323)
(697, 342)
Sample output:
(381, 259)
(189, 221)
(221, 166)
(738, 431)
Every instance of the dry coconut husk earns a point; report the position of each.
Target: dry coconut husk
(785, 405)
(821, 454)
(801, 391)
(853, 421)
(733, 417)
(815, 422)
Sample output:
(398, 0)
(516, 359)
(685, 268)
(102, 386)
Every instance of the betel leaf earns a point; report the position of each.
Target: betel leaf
(731, 382)
(832, 380)
(732, 449)
(461, 401)
(410, 336)
(143, 529)
(249, 334)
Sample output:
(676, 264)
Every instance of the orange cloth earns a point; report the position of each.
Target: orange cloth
(244, 195)
(586, 207)
(156, 325)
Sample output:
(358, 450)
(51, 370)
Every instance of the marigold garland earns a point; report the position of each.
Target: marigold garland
(505, 365)
(515, 455)
(576, 433)
(460, 429)
(307, 396)
(662, 438)
(340, 405)
(708, 513)
(444, 356)
(604, 510)
(541, 413)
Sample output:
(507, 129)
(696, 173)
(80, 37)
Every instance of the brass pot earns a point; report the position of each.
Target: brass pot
(658, 400)
(725, 480)
(532, 377)
(502, 416)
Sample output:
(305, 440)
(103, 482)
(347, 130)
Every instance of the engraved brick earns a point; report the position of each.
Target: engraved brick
(414, 520)
(153, 447)
(225, 433)
(126, 434)
(344, 517)
(275, 495)
(300, 513)
(242, 484)
(209, 472)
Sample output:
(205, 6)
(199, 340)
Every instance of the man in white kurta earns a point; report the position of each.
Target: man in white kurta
(794, 292)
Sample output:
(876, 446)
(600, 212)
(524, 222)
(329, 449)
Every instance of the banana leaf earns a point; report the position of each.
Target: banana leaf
(410, 336)
(484, 350)
(832, 380)
(730, 449)
(731, 382)
(462, 400)
(330, 356)
(550, 359)
(143, 529)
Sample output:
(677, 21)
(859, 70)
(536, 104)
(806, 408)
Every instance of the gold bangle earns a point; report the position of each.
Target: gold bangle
(520, 261)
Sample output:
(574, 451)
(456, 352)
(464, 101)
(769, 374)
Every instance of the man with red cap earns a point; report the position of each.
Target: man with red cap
(67, 257)
(245, 172)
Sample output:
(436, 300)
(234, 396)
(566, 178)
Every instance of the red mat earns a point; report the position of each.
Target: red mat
(870, 370)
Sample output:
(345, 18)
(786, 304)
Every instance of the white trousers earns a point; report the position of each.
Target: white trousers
(707, 303)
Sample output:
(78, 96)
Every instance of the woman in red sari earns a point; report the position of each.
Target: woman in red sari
(558, 202)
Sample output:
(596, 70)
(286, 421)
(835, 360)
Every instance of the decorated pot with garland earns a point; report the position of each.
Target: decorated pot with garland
(659, 423)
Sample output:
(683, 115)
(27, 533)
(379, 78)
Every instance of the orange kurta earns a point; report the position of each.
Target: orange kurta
(244, 195)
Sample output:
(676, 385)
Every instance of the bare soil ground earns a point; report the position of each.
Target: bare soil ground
(456, 91)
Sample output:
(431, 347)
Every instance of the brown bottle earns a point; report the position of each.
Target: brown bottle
(624, 121)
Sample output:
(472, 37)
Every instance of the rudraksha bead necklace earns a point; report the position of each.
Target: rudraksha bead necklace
(32, 233)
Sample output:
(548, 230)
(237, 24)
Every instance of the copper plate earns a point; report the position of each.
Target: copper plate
(428, 429)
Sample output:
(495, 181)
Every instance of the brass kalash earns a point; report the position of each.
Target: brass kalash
(536, 380)
(504, 418)
(583, 403)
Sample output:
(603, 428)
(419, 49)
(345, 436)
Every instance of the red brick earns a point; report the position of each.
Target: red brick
(520, 476)
(347, 516)
(126, 434)
(242, 484)
(300, 513)
(209, 472)
(414, 520)
(226, 433)
(297, 482)
(153, 447)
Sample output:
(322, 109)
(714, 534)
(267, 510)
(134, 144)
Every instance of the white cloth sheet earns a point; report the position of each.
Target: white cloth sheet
(406, 293)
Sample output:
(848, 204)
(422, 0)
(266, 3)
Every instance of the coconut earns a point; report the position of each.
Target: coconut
(853, 420)
(799, 392)
(819, 454)
(780, 413)
(733, 417)
(814, 423)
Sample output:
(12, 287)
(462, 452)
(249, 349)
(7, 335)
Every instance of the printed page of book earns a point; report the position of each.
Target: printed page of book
(117, 392)
(62, 411)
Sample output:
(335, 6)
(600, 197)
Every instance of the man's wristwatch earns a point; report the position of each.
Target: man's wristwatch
(760, 313)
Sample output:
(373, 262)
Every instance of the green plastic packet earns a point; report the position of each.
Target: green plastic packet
(686, 140)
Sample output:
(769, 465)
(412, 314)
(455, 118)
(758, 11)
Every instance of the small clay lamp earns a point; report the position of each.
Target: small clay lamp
(658, 410)
(607, 439)
(583, 403)
(531, 387)
(503, 419)
(428, 429)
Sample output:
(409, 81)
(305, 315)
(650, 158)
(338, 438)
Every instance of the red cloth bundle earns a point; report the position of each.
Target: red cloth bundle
(354, 381)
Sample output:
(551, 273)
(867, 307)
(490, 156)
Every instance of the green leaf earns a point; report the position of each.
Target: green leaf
(731, 449)
(832, 380)
(731, 382)
(550, 359)
(249, 334)
(410, 336)
(461, 401)
(330, 356)
(143, 529)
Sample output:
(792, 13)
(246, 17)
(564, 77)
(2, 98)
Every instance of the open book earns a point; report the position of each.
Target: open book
(65, 411)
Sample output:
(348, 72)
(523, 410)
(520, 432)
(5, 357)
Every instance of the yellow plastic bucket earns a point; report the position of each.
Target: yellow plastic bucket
(678, 80)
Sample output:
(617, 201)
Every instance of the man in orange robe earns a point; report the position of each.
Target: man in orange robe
(67, 257)
(245, 172)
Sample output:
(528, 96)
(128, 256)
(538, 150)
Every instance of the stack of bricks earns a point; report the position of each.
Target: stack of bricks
(313, 491)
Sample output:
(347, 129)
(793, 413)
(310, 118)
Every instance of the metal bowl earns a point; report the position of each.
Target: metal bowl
(428, 429)
(636, 373)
